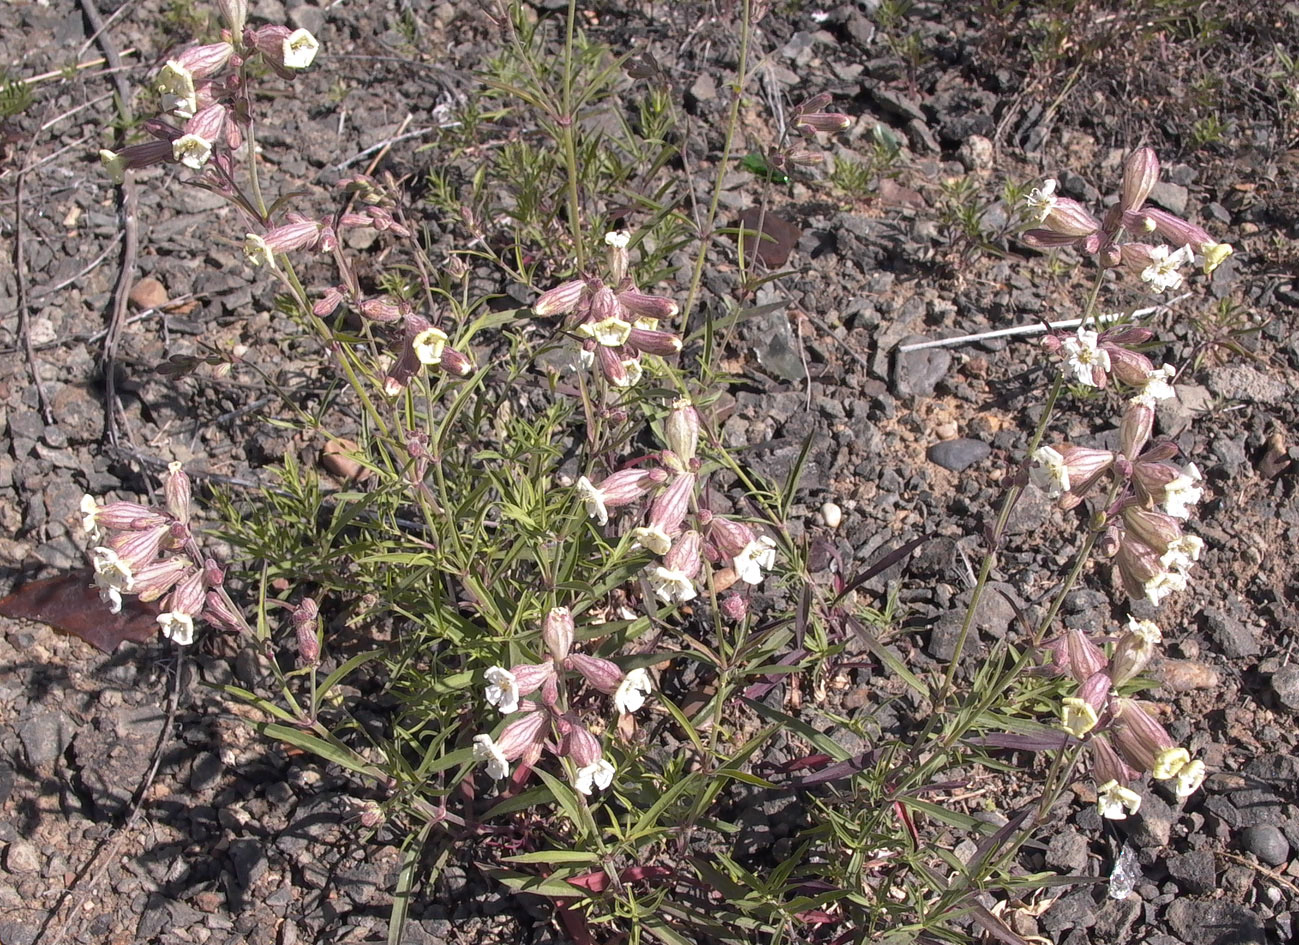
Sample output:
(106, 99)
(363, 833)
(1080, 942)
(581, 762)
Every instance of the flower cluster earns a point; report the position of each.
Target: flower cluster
(1124, 740)
(535, 693)
(1066, 222)
(616, 323)
(665, 496)
(1148, 497)
(204, 88)
(148, 553)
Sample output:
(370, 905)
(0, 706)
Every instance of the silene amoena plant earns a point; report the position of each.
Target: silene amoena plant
(551, 577)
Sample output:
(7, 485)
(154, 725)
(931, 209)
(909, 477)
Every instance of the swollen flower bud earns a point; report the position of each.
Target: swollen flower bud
(600, 673)
(1140, 174)
(176, 489)
(557, 631)
(561, 300)
(304, 620)
(669, 508)
(1134, 430)
(681, 430)
(1083, 657)
(617, 242)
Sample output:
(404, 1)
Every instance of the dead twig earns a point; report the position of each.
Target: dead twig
(24, 326)
(130, 230)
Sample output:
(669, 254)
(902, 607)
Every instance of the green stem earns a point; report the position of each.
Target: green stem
(569, 143)
(732, 124)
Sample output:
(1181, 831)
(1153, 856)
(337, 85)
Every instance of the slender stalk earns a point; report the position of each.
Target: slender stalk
(732, 125)
(569, 143)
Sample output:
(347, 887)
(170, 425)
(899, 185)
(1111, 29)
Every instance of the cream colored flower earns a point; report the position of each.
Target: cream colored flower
(498, 766)
(192, 151)
(1115, 802)
(631, 692)
(598, 774)
(300, 49)
(177, 627)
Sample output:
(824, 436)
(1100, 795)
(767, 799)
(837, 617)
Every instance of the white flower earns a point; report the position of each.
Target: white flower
(176, 83)
(1041, 200)
(1182, 492)
(1082, 357)
(111, 571)
(1163, 584)
(634, 372)
(631, 692)
(110, 596)
(598, 773)
(498, 766)
(1169, 763)
(258, 251)
(428, 345)
(618, 239)
(299, 49)
(178, 627)
(1147, 630)
(593, 499)
(1189, 778)
(1115, 802)
(652, 538)
(191, 150)
(1181, 554)
(756, 556)
(1157, 386)
(1162, 272)
(612, 332)
(504, 689)
(1077, 717)
(1051, 474)
(670, 585)
(114, 163)
(89, 508)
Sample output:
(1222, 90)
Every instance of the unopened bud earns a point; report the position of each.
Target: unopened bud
(681, 430)
(600, 673)
(305, 619)
(669, 508)
(561, 300)
(1134, 430)
(176, 489)
(1140, 174)
(557, 632)
(1083, 657)
(580, 745)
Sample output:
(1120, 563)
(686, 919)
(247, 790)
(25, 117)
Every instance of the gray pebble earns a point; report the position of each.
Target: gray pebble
(1267, 843)
(22, 857)
(1285, 685)
(958, 454)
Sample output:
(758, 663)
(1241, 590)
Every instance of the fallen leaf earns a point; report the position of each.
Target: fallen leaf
(70, 602)
(779, 237)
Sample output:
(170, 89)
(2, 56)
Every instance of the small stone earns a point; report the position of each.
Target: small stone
(1246, 382)
(832, 515)
(1191, 919)
(1267, 843)
(704, 89)
(975, 153)
(309, 18)
(336, 457)
(917, 373)
(148, 293)
(45, 735)
(1194, 872)
(1185, 675)
(1233, 637)
(1285, 686)
(22, 857)
(958, 454)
